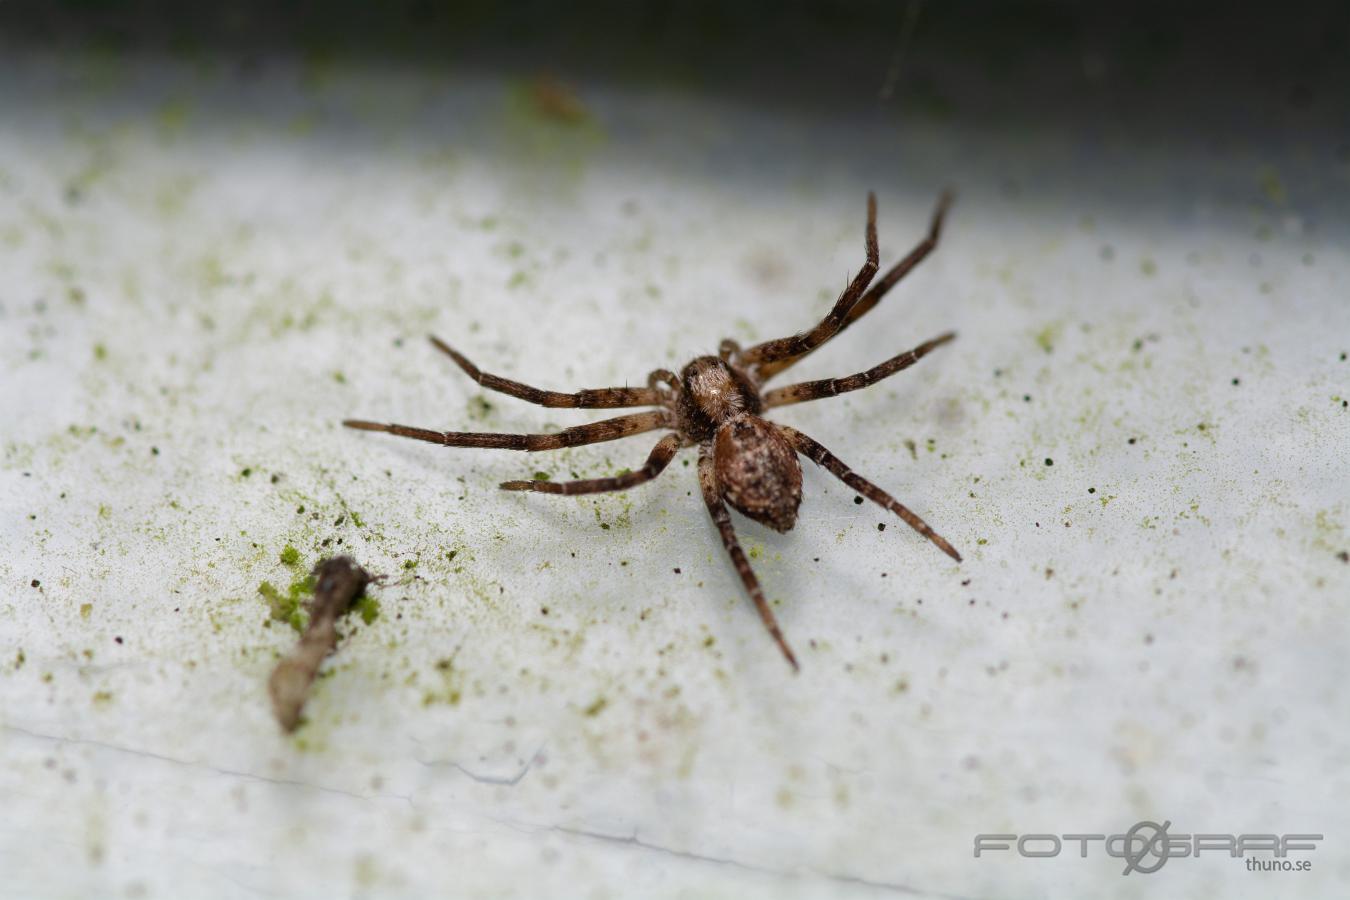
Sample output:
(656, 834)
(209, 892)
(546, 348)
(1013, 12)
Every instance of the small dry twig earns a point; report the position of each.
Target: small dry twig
(340, 581)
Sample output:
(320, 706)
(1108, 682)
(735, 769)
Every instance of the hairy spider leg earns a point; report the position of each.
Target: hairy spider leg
(660, 457)
(717, 508)
(593, 433)
(817, 453)
(773, 360)
(831, 387)
(799, 344)
(595, 398)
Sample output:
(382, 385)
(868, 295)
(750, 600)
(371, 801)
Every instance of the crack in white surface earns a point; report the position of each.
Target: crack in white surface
(61, 740)
(503, 780)
(634, 841)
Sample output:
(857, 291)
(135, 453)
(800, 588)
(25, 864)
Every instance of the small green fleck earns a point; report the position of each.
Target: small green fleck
(368, 608)
(1272, 188)
(290, 556)
(410, 564)
(100, 352)
(289, 607)
(86, 609)
(1148, 267)
(541, 476)
(339, 378)
(981, 541)
(595, 708)
(1046, 337)
(172, 115)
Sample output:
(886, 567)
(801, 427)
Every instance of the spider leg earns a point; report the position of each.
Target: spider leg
(660, 457)
(813, 451)
(593, 433)
(830, 387)
(800, 344)
(874, 294)
(717, 508)
(596, 398)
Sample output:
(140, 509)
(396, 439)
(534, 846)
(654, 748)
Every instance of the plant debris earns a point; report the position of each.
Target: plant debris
(339, 583)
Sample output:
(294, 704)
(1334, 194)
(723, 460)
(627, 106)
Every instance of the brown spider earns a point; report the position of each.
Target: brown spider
(715, 402)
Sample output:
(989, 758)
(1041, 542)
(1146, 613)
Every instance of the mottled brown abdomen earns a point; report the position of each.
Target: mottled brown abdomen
(758, 471)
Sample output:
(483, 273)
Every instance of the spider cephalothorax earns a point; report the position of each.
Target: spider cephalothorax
(716, 403)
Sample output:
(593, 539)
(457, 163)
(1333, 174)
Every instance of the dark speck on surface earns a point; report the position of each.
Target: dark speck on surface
(857, 500)
(36, 583)
(1049, 461)
(881, 526)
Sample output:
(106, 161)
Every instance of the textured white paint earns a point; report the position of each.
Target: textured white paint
(1151, 630)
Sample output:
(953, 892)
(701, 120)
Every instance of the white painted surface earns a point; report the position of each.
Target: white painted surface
(220, 267)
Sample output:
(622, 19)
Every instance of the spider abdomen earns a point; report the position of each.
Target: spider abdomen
(758, 471)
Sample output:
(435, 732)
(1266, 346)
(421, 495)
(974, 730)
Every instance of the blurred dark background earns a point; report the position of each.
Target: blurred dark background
(1150, 66)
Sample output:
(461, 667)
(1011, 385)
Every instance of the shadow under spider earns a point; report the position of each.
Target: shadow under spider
(715, 404)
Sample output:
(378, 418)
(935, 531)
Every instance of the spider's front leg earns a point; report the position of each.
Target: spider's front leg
(773, 357)
(768, 356)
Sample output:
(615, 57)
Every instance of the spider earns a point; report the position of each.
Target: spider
(715, 403)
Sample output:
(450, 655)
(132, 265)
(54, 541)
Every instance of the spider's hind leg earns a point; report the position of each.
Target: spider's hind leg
(717, 508)
(814, 451)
